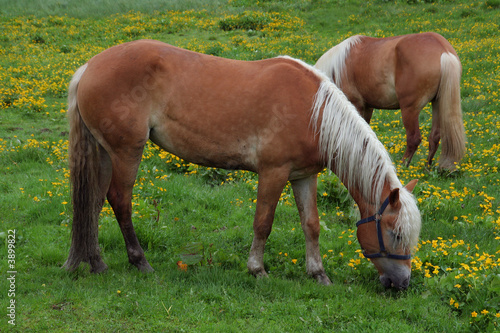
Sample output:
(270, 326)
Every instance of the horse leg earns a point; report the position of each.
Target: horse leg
(435, 134)
(98, 265)
(271, 184)
(413, 136)
(359, 104)
(120, 198)
(304, 191)
(366, 113)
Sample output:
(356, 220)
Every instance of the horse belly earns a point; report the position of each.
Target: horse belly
(217, 149)
(382, 96)
(237, 139)
(232, 125)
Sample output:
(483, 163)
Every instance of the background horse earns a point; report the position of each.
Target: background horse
(404, 72)
(229, 114)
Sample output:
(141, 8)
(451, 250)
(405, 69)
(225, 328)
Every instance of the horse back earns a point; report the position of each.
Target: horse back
(207, 110)
(382, 71)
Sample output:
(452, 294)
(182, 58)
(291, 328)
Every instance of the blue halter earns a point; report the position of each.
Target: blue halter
(383, 252)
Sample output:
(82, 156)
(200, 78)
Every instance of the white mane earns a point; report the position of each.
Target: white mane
(352, 151)
(332, 63)
(349, 145)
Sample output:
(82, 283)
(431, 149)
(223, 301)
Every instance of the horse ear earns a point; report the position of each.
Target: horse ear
(411, 185)
(394, 197)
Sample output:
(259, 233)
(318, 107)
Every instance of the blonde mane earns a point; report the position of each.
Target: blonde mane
(332, 63)
(349, 145)
(353, 152)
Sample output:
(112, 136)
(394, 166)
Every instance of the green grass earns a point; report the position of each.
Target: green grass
(100, 8)
(456, 277)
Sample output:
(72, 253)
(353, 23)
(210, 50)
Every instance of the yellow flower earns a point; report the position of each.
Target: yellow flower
(181, 266)
(474, 314)
(294, 261)
(484, 312)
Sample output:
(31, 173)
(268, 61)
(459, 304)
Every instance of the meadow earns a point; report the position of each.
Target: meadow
(195, 223)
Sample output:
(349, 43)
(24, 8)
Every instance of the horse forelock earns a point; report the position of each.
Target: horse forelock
(333, 61)
(409, 222)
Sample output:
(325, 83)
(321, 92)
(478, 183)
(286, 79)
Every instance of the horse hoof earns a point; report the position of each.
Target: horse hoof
(145, 267)
(323, 279)
(260, 274)
(98, 267)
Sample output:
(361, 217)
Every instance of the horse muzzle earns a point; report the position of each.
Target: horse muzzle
(399, 281)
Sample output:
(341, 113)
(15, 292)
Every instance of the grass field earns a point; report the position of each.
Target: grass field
(180, 208)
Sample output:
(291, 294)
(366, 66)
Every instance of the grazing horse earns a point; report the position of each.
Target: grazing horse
(280, 118)
(404, 72)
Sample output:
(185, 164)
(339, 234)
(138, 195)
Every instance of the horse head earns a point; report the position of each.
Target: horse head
(388, 236)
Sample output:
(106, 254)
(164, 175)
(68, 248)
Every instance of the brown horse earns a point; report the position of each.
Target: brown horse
(404, 72)
(279, 117)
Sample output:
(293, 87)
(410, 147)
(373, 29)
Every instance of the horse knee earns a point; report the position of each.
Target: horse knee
(262, 227)
(414, 141)
(311, 229)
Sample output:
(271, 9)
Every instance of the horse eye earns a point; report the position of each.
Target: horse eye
(397, 237)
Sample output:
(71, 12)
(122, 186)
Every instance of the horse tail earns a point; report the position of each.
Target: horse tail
(450, 112)
(84, 167)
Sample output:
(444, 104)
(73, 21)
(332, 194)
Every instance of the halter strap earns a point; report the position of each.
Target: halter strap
(376, 217)
(383, 252)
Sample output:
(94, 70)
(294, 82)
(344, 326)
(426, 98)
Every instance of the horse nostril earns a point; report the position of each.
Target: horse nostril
(402, 285)
(405, 284)
(387, 282)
